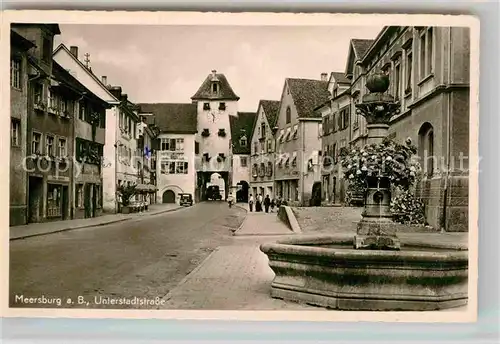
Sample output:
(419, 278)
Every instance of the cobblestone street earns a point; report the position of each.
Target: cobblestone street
(144, 257)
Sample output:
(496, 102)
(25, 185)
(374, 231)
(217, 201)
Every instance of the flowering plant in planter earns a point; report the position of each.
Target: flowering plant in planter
(388, 160)
(407, 209)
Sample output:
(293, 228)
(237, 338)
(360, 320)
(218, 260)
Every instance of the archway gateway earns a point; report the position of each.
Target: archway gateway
(168, 197)
(242, 193)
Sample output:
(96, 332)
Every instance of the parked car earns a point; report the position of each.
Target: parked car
(213, 193)
(186, 199)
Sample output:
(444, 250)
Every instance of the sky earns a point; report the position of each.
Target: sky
(168, 64)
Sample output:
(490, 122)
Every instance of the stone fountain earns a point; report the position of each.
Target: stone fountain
(374, 270)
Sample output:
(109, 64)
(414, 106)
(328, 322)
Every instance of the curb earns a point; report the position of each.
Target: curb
(243, 223)
(294, 224)
(168, 296)
(88, 226)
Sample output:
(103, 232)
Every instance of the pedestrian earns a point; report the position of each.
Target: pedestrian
(259, 202)
(273, 204)
(230, 200)
(267, 203)
(251, 202)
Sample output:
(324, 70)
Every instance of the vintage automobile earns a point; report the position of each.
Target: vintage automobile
(186, 199)
(213, 193)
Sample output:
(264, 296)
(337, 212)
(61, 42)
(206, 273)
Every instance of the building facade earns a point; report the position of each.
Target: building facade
(429, 68)
(298, 140)
(19, 97)
(216, 103)
(263, 149)
(241, 129)
(335, 130)
(177, 153)
(70, 61)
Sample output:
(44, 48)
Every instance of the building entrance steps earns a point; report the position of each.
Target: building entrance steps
(36, 229)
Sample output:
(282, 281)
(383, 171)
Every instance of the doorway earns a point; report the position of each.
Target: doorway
(87, 200)
(169, 196)
(64, 201)
(35, 198)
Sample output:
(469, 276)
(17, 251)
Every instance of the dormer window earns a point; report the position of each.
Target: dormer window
(206, 106)
(222, 132)
(222, 106)
(243, 141)
(215, 87)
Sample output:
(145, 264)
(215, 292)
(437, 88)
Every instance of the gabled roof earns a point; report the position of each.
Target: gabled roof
(225, 90)
(62, 47)
(340, 78)
(307, 95)
(241, 126)
(361, 46)
(62, 75)
(271, 109)
(172, 117)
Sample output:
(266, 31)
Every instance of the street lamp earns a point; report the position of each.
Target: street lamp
(118, 143)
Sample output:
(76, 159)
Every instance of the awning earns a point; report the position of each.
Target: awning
(146, 188)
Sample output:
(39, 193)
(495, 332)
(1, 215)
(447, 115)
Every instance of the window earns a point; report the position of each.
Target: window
(62, 147)
(181, 167)
(255, 148)
(222, 132)
(172, 145)
(263, 129)
(46, 49)
(36, 143)
(38, 93)
(53, 200)
(397, 79)
(295, 131)
(79, 195)
(332, 127)
(15, 73)
(409, 67)
(426, 148)
(243, 141)
(196, 148)
(214, 87)
(222, 106)
(345, 119)
(82, 111)
(243, 161)
(288, 115)
(206, 106)
(426, 52)
(15, 126)
(269, 145)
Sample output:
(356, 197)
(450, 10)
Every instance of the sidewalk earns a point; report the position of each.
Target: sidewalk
(35, 229)
(236, 277)
(262, 223)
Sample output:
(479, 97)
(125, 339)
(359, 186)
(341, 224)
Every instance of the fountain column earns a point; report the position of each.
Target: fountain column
(376, 230)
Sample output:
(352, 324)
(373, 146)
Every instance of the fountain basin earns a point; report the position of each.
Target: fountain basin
(325, 270)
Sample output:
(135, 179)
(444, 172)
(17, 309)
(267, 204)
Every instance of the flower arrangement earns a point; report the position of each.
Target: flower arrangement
(407, 209)
(388, 159)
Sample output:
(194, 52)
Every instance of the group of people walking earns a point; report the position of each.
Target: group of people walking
(259, 202)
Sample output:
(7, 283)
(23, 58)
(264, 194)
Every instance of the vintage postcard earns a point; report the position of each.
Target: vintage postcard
(254, 166)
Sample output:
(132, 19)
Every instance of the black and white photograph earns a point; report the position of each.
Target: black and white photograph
(242, 162)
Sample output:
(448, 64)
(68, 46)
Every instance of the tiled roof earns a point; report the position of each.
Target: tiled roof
(307, 95)
(271, 109)
(340, 78)
(225, 91)
(361, 46)
(172, 117)
(241, 126)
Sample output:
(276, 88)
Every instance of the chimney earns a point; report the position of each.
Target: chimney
(116, 91)
(124, 97)
(324, 76)
(104, 80)
(214, 72)
(74, 51)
